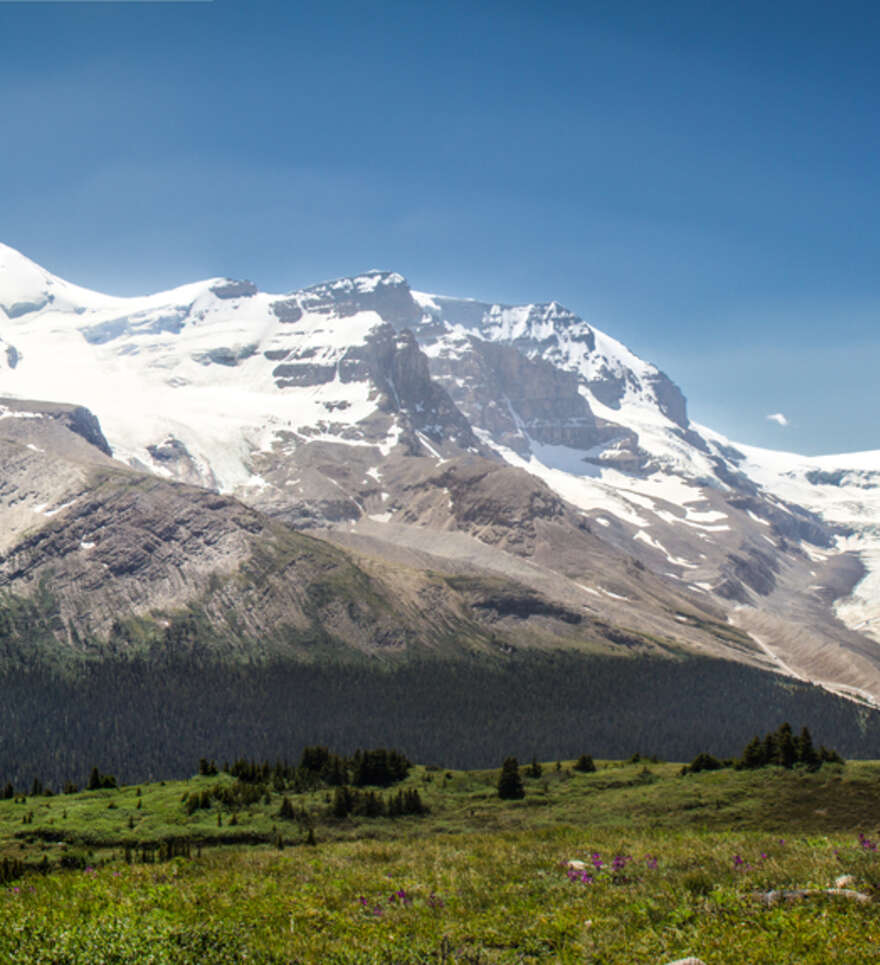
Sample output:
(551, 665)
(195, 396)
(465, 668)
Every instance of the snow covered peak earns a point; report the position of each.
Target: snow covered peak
(25, 287)
(614, 377)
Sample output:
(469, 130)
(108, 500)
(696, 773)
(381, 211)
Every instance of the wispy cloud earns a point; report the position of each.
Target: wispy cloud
(778, 418)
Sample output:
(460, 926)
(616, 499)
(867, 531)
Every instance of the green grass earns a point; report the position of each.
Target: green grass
(476, 880)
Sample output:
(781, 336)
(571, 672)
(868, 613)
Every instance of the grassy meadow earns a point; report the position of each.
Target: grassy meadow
(632, 863)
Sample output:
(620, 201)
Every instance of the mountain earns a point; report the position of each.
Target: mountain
(358, 470)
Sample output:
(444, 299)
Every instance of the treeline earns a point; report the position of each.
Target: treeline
(148, 720)
(318, 765)
(778, 748)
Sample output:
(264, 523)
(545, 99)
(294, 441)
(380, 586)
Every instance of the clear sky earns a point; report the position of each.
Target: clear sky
(697, 179)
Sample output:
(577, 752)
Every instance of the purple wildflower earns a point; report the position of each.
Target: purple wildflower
(737, 861)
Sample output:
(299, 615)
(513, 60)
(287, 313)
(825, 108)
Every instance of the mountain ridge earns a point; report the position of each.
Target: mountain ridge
(378, 416)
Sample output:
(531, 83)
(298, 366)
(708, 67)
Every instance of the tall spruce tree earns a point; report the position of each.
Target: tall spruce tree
(753, 755)
(806, 753)
(785, 747)
(510, 785)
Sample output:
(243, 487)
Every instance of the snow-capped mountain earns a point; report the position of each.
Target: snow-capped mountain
(516, 439)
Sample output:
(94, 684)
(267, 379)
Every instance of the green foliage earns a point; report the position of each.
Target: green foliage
(585, 764)
(510, 785)
(703, 762)
(149, 715)
(378, 767)
(781, 748)
(97, 780)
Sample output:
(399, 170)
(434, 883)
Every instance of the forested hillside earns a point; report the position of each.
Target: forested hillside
(141, 720)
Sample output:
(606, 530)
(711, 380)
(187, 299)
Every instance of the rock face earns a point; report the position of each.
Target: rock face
(100, 559)
(456, 436)
(514, 399)
(75, 417)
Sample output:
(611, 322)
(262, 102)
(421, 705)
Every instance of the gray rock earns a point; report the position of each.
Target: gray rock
(17, 309)
(287, 311)
(235, 289)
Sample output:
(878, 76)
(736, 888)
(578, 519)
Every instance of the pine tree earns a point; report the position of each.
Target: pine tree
(534, 769)
(510, 785)
(585, 764)
(806, 753)
(786, 750)
(343, 802)
(753, 755)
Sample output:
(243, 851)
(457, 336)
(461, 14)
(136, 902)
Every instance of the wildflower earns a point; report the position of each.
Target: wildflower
(377, 911)
(651, 861)
(363, 901)
(737, 861)
(434, 901)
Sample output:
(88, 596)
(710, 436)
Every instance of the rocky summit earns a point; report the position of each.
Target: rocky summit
(362, 465)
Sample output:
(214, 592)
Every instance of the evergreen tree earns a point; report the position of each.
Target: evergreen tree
(534, 769)
(585, 764)
(786, 753)
(753, 755)
(703, 762)
(827, 756)
(343, 802)
(806, 753)
(510, 785)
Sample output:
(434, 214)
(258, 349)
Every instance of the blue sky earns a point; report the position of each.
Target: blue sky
(697, 179)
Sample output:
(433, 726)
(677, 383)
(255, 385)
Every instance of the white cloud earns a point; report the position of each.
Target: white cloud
(778, 418)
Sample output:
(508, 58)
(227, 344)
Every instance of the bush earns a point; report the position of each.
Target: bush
(585, 764)
(703, 762)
